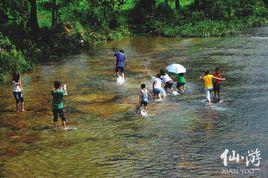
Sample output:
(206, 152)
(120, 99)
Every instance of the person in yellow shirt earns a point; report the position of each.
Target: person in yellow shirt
(208, 81)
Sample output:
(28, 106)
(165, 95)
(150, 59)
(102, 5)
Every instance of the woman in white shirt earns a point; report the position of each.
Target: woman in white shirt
(17, 92)
(166, 80)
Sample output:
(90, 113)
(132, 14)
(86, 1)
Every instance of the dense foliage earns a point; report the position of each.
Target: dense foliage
(11, 60)
(200, 18)
(43, 29)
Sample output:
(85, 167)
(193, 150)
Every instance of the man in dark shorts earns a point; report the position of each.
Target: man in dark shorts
(120, 63)
(57, 104)
(217, 83)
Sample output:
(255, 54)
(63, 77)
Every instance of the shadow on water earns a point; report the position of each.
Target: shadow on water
(181, 137)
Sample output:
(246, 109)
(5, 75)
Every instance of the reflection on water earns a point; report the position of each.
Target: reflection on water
(180, 137)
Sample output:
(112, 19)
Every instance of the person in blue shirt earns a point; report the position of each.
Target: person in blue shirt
(120, 63)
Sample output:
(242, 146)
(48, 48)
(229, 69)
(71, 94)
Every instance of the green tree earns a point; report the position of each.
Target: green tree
(142, 12)
(11, 60)
(104, 13)
(54, 12)
(177, 4)
(33, 21)
(14, 10)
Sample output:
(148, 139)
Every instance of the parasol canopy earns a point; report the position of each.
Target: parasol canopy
(176, 68)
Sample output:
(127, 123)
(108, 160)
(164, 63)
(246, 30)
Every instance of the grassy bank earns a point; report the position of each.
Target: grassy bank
(205, 28)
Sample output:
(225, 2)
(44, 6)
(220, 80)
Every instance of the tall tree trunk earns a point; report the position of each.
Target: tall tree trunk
(177, 4)
(54, 15)
(3, 17)
(33, 22)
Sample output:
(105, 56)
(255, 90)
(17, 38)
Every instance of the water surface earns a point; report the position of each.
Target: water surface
(181, 137)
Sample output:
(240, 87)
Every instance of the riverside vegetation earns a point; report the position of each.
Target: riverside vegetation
(40, 30)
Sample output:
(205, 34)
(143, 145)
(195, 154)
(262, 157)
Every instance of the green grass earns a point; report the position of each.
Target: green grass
(131, 3)
(44, 18)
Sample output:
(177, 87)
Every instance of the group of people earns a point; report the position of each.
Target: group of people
(159, 93)
(145, 94)
(211, 83)
(57, 93)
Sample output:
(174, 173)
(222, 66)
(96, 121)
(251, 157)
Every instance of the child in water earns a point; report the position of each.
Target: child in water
(157, 89)
(166, 80)
(207, 78)
(57, 104)
(144, 97)
(217, 83)
(17, 92)
(181, 83)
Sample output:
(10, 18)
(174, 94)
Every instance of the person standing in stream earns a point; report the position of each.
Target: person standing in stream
(181, 83)
(208, 82)
(17, 92)
(121, 61)
(167, 81)
(216, 84)
(57, 105)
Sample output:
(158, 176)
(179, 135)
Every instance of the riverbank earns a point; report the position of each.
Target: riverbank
(48, 30)
(20, 52)
(207, 28)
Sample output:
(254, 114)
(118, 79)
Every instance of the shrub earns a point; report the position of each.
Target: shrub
(11, 60)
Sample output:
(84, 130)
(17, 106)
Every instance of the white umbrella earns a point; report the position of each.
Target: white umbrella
(176, 68)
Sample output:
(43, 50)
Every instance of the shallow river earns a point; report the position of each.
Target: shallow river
(181, 137)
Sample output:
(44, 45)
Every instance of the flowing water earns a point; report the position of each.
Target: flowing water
(181, 137)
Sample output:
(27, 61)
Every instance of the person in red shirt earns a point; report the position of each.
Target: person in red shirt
(217, 83)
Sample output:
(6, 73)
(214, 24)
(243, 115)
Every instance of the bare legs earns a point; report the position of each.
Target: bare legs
(181, 89)
(157, 96)
(55, 125)
(20, 107)
(121, 75)
(63, 124)
(56, 114)
(171, 90)
(217, 93)
(208, 96)
(145, 108)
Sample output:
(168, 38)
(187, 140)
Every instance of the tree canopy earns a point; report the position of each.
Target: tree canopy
(54, 27)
